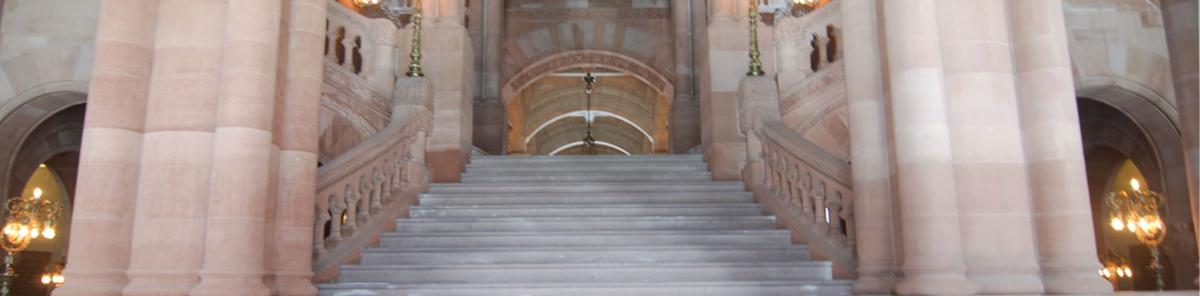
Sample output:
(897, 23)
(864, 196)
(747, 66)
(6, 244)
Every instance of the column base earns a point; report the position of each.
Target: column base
(159, 286)
(220, 285)
(1030, 284)
(1076, 284)
(947, 284)
(295, 286)
(80, 286)
(873, 285)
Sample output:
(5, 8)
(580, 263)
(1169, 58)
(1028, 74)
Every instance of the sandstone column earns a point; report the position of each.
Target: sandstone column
(1180, 21)
(989, 164)
(241, 165)
(172, 200)
(112, 142)
(449, 62)
(871, 167)
(296, 132)
(1053, 149)
(932, 253)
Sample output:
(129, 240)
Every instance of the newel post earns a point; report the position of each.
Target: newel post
(758, 102)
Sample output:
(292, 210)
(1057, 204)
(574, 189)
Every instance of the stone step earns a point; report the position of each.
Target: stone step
(586, 159)
(773, 237)
(423, 225)
(606, 210)
(586, 177)
(502, 198)
(633, 288)
(571, 167)
(587, 272)
(676, 186)
(608, 254)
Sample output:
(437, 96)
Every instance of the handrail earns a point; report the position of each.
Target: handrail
(363, 191)
(809, 190)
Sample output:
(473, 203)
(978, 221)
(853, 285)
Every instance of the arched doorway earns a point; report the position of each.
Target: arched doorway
(1125, 137)
(548, 111)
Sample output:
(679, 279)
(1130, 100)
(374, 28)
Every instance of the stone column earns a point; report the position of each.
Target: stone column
(1180, 22)
(684, 122)
(871, 167)
(449, 62)
(172, 201)
(450, 13)
(989, 163)
(1053, 149)
(296, 131)
(932, 255)
(242, 151)
(490, 128)
(112, 141)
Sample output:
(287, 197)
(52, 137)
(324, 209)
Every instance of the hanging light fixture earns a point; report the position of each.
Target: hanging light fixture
(589, 142)
(1137, 211)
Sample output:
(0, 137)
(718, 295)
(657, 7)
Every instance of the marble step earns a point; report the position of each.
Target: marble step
(586, 159)
(665, 167)
(587, 272)
(543, 198)
(607, 254)
(606, 210)
(772, 237)
(634, 288)
(586, 177)
(422, 225)
(674, 186)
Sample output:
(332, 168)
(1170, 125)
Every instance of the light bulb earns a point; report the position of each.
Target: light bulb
(36, 233)
(37, 192)
(1117, 224)
(45, 279)
(1133, 183)
(1132, 227)
(59, 279)
(49, 233)
(1128, 272)
(1143, 225)
(1120, 272)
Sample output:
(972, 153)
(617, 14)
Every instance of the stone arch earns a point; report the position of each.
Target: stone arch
(581, 58)
(44, 127)
(1119, 120)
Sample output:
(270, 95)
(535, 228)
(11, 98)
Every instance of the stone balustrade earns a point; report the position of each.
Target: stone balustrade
(808, 44)
(363, 46)
(809, 190)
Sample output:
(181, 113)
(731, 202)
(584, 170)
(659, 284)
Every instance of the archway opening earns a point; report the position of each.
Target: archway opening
(553, 114)
(1120, 146)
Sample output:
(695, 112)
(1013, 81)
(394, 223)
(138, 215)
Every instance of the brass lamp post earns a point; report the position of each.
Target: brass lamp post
(755, 63)
(1137, 212)
(29, 218)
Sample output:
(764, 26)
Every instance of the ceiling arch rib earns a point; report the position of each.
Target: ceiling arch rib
(592, 118)
(580, 143)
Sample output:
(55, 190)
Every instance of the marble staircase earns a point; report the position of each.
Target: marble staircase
(578, 225)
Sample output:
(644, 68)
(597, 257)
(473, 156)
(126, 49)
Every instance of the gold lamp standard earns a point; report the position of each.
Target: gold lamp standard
(29, 218)
(1136, 211)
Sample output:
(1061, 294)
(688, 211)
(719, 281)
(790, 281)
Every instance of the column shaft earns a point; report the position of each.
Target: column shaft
(242, 152)
(173, 190)
(296, 132)
(868, 133)
(989, 163)
(1180, 22)
(1053, 149)
(932, 253)
(112, 142)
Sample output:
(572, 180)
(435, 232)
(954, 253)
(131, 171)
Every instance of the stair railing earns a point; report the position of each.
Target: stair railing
(804, 186)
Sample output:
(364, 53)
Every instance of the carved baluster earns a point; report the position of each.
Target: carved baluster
(376, 191)
(351, 216)
(332, 41)
(338, 209)
(323, 217)
(848, 216)
(823, 47)
(348, 45)
(808, 50)
(364, 200)
(398, 177)
(820, 206)
(834, 204)
(389, 170)
(806, 208)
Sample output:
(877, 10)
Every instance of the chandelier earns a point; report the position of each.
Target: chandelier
(29, 218)
(589, 142)
(365, 3)
(1136, 211)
